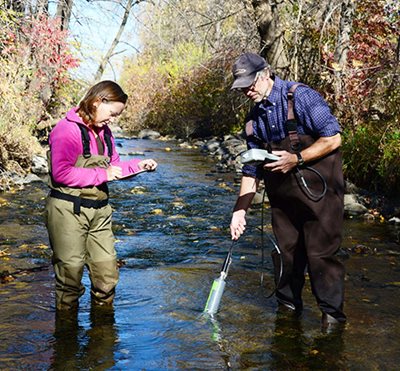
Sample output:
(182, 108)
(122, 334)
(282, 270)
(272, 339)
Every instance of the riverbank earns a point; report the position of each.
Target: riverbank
(358, 202)
(226, 153)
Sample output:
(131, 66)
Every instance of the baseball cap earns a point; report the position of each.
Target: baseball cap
(245, 69)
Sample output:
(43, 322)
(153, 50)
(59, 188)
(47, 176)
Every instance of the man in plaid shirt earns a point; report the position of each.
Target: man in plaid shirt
(308, 229)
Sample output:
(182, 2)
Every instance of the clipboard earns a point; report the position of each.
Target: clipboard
(129, 176)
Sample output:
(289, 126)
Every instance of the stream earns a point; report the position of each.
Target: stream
(172, 236)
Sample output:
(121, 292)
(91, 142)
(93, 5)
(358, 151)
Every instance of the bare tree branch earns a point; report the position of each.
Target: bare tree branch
(213, 21)
(106, 59)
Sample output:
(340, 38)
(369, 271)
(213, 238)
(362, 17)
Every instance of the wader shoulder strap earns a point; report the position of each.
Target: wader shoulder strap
(107, 139)
(291, 123)
(291, 127)
(86, 142)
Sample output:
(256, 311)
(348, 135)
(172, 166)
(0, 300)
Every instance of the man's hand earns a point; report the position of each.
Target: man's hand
(287, 161)
(238, 224)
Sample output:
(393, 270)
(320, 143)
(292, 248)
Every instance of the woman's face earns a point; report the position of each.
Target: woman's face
(106, 112)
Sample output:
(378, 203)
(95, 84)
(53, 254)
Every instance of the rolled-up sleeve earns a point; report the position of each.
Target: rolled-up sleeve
(314, 113)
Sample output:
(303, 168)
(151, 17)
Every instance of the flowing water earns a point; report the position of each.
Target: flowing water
(172, 237)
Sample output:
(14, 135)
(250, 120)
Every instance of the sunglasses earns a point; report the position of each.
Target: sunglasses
(246, 89)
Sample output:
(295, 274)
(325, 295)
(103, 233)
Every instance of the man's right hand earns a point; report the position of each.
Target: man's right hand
(238, 224)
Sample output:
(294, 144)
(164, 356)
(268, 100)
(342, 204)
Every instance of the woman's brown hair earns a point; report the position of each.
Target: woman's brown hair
(106, 91)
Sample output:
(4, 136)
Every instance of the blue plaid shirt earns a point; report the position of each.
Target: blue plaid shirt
(267, 119)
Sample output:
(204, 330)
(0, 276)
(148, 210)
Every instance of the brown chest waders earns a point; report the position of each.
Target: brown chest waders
(308, 230)
(79, 226)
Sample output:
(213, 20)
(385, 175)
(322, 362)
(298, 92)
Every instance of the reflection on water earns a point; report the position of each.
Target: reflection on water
(292, 349)
(76, 348)
(172, 237)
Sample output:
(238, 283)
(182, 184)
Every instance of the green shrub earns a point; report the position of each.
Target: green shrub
(372, 157)
(389, 164)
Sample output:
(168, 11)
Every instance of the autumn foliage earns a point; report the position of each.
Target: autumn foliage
(34, 64)
(49, 50)
(364, 93)
(196, 102)
(180, 81)
(371, 98)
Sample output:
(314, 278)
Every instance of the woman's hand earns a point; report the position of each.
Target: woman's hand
(113, 172)
(149, 165)
(238, 224)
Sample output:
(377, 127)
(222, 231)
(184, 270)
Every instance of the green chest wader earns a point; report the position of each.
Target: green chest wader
(308, 229)
(79, 225)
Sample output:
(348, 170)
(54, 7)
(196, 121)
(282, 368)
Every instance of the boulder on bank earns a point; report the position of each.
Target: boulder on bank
(39, 165)
(352, 207)
(212, 146)
(394, 220)
(148, 134)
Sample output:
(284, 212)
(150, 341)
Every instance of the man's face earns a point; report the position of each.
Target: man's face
(257, 90)
(260, 87)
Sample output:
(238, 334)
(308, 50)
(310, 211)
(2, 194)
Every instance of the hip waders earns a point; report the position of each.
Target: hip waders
(78, 240)
(309, 232)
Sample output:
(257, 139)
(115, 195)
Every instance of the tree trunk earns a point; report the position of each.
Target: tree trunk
(343, 43)
(271, 34)
(346, 21)
(64, 8)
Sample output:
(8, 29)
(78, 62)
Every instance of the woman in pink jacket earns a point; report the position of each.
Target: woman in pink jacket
(82, 160)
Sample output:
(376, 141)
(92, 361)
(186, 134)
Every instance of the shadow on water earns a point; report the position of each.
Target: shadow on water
(172, 236)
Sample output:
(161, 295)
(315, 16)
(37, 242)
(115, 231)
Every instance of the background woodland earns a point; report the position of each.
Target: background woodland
(179, 77)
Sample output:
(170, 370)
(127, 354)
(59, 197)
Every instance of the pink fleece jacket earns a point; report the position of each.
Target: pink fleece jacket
(66, 145)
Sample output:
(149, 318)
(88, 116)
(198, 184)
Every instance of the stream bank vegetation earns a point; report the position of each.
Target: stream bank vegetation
(179, 81)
